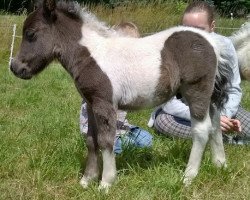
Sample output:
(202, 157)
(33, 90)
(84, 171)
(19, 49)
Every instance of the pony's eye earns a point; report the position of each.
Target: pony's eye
(30, 35)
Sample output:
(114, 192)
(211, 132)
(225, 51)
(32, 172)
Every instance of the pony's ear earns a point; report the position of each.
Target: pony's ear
(49, 7)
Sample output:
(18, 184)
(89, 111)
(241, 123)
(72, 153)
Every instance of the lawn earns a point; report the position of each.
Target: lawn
(42, 152)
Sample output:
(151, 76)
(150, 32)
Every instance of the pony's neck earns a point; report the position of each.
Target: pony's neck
(71, 57)
(67, 34)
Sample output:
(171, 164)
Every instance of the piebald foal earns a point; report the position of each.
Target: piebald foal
(111, 72)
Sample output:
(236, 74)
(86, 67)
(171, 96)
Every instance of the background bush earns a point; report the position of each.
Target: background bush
(239, 8)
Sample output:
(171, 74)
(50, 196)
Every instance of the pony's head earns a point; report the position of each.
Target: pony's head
(36, 50)
(53, 30)
(47, 32)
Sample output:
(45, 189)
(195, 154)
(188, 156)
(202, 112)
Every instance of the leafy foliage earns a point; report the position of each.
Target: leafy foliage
(238, 8)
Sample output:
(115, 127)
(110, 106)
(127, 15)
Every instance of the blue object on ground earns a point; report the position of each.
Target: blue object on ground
(137, 137)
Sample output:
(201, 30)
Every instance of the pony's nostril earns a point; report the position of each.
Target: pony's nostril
(23, 71)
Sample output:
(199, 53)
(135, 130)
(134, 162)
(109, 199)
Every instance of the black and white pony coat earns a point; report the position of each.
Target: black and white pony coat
(113, 72)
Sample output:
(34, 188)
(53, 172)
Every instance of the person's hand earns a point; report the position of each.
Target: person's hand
(228, 124)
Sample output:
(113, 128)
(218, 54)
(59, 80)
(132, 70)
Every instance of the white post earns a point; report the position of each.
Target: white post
(12, 43)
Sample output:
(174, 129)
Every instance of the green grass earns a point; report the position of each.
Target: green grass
(42, 152)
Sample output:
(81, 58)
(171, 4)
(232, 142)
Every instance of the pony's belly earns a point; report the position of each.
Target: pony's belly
(137, 103)
(143, 102)
(135, 106)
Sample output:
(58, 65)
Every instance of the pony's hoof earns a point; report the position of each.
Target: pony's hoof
(187, 181)
(189, 176)
(104, 186)
(220, 163)
(84, 182)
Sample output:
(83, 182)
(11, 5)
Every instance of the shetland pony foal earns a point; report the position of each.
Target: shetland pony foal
(112, 72)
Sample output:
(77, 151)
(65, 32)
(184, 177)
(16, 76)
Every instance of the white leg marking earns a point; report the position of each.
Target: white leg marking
(85, 180)
(200, 131)
(217, 148)
(216, 142)
(109, 170)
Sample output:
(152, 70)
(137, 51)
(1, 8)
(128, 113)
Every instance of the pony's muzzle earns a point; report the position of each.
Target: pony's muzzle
(20, 69)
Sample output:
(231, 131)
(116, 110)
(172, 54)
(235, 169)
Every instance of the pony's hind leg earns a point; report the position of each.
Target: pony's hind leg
(198, 96)
(105, 115)
(92, 169)
(200, 134)
(216, 141)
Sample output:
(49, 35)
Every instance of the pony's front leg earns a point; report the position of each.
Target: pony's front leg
(216, 141)
(105, 115)
(92, 169)
(200, 135)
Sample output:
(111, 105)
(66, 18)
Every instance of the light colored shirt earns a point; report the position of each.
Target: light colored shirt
(235, 92)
